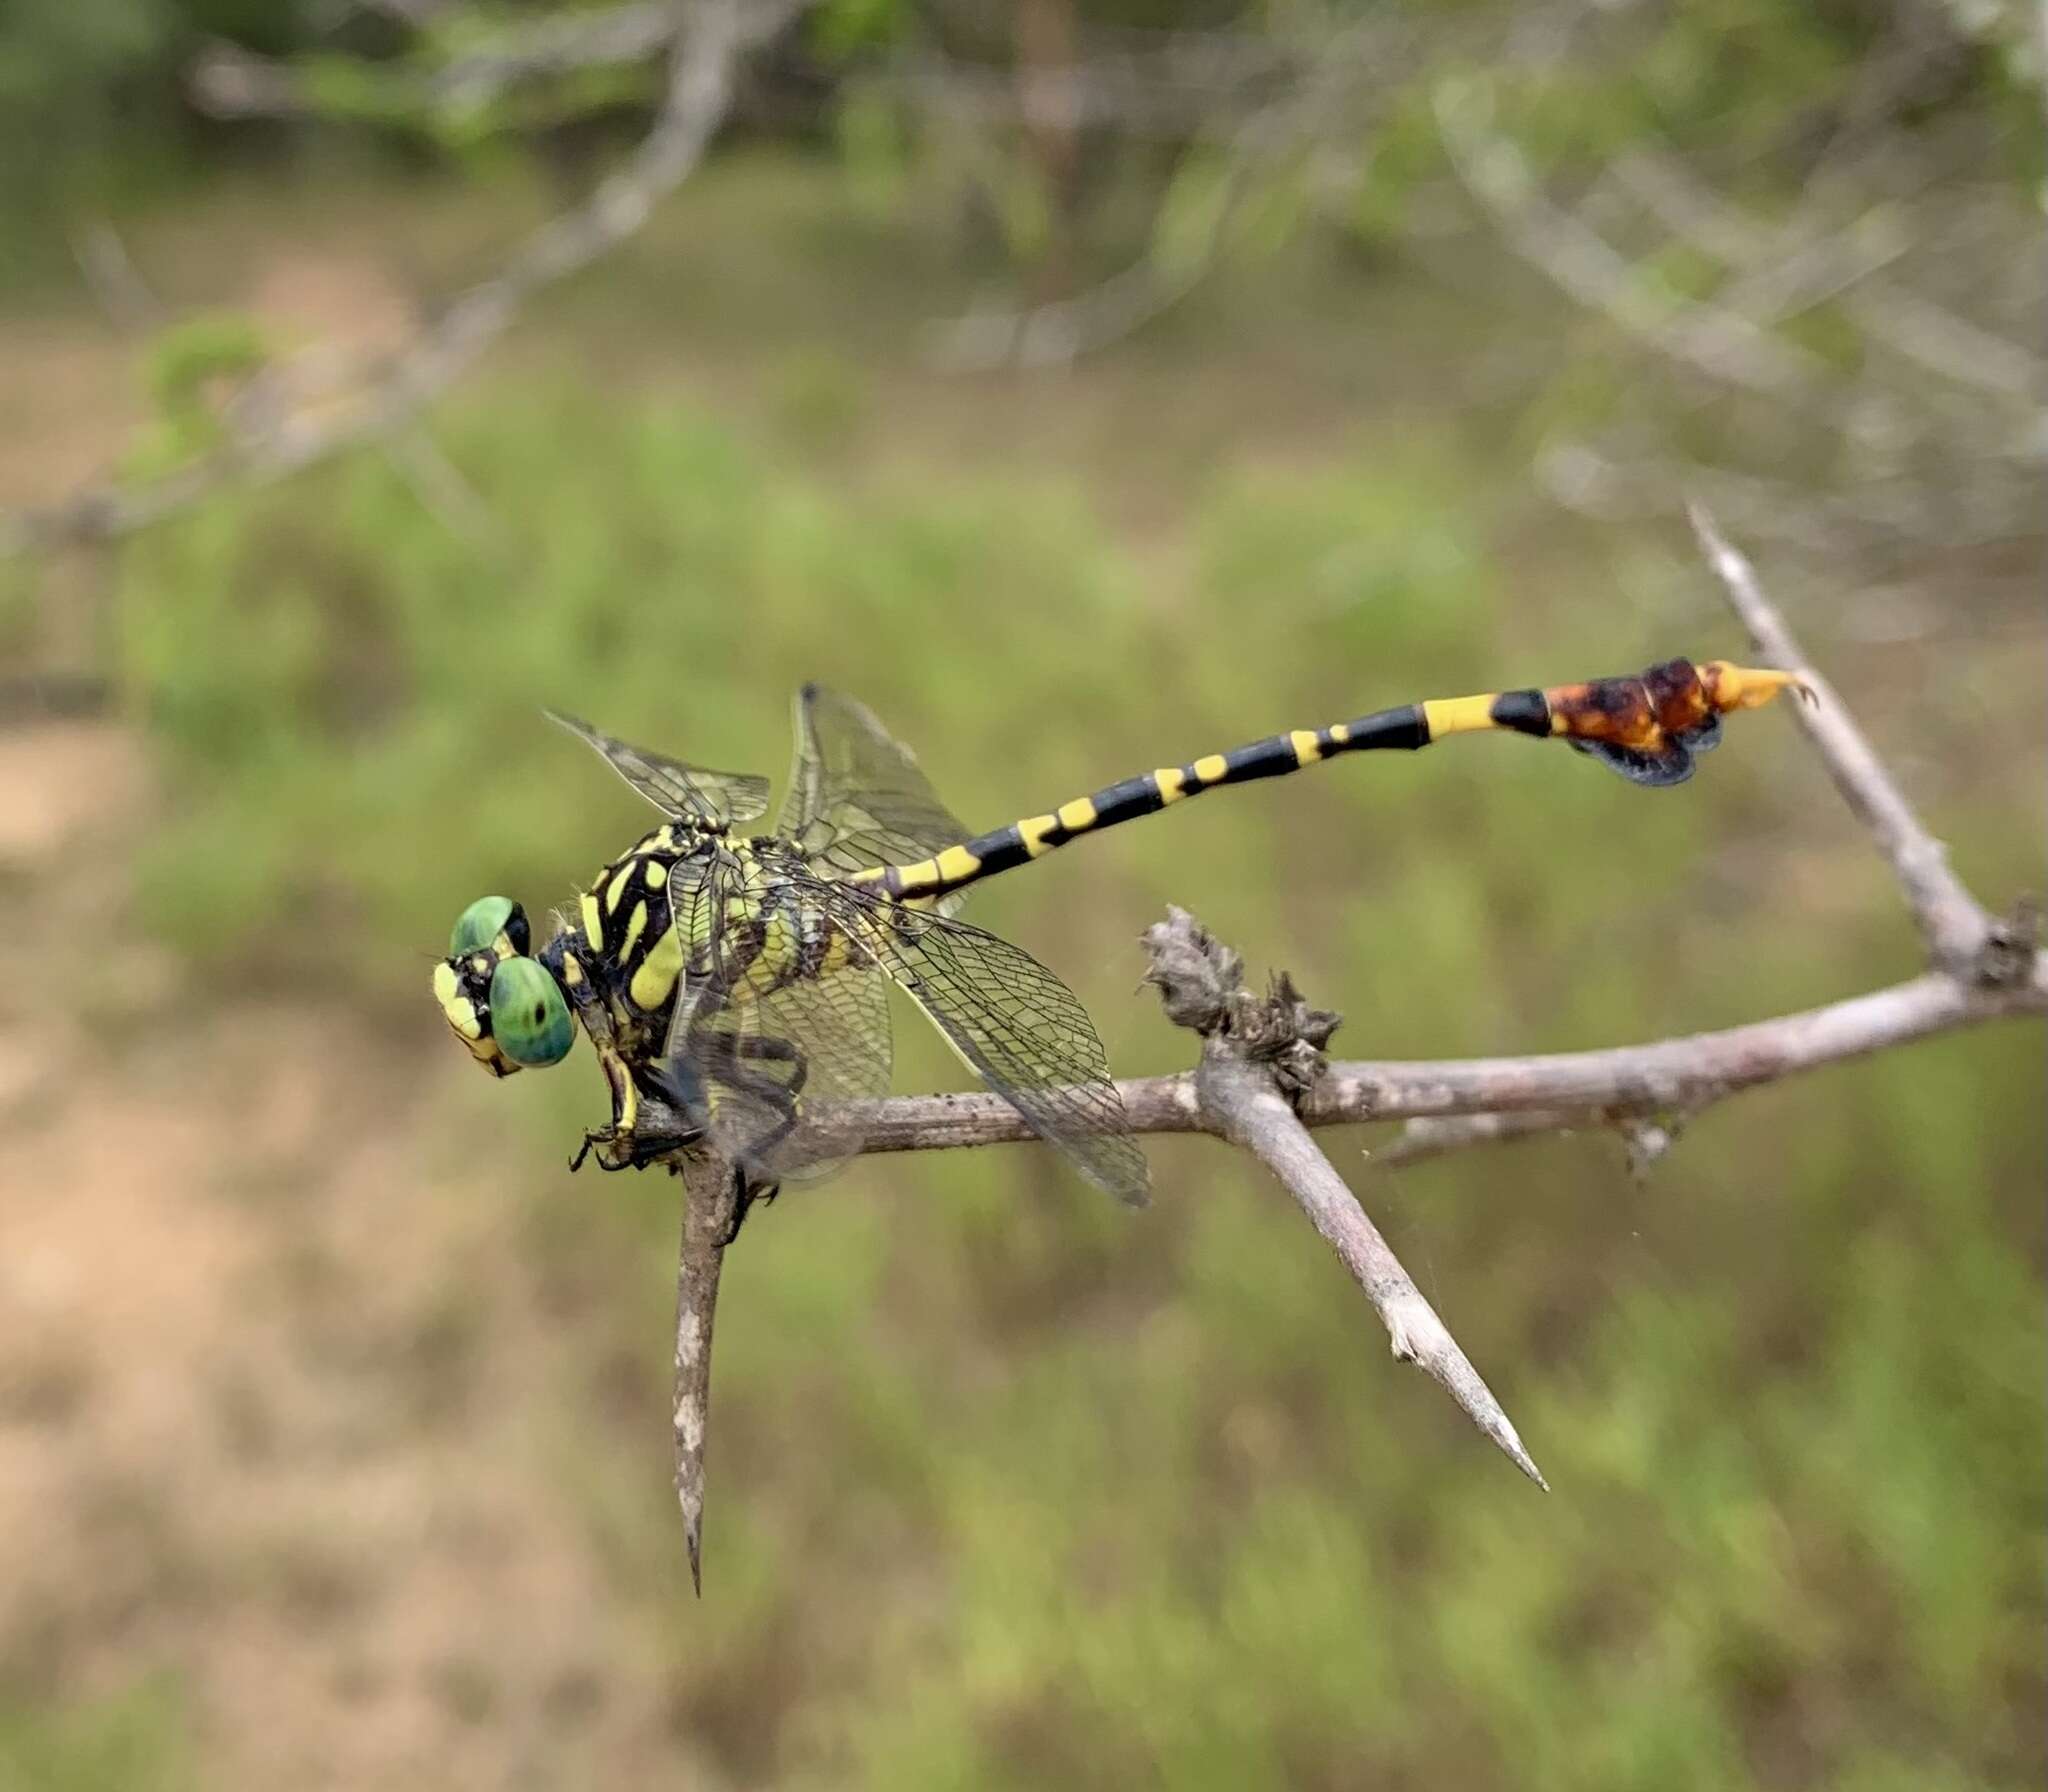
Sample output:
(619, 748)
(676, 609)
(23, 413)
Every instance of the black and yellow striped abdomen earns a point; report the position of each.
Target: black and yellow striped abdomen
(1636, 719)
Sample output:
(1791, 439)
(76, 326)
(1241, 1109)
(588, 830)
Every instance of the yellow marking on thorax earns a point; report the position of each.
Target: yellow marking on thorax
(615, 891)
(634, 927)
(1307, 749)
(1078, 816)
(658, 971)
(656, 876)
(1210, 768)
(593, 921)
(454, 1004)
(1169, 783)
(1034, 831)
(572, 972)
(1459, 715)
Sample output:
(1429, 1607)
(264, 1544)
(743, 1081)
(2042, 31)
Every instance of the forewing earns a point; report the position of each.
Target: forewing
(856, 796)
(683, 792)
(787, 1020)
(1020, 1029)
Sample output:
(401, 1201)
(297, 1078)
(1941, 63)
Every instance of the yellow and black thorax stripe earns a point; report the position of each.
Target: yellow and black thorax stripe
(739, 894)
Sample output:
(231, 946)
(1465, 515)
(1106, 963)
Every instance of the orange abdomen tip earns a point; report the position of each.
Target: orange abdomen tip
(1729, 686)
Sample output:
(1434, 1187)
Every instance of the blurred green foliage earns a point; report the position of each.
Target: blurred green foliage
(91, 104)
(135, 1741)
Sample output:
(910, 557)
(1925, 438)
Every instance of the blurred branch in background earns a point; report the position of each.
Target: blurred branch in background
(1264, 1079)
(1836, 307)
(230, 82)
(287, 415)
(1236, 119)
(1936, 423)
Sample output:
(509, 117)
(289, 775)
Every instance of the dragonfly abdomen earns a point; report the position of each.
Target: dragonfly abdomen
(1647, 727)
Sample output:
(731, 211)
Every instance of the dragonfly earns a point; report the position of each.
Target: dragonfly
(742, 981)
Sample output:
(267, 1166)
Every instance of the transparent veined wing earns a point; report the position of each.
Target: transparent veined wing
(691, 793)
(1019, 1028)
(856, 795)
(784, 1021)
(1670, 764)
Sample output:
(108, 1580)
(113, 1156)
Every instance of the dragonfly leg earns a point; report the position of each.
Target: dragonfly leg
(746, 1191)
(616, 1146)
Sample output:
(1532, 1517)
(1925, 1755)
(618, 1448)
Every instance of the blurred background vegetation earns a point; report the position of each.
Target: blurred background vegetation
(1239, 383)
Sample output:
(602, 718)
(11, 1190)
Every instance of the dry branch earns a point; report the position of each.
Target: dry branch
(1721, 343)
(1263, 1081)
(1425, 1137)
(1260, 1060)
(1954, 926)
(230, 82)
(1878, 235)
(1666, 1075)
(709, 1192)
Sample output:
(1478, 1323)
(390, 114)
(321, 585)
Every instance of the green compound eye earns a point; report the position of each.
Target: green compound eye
(529, 1019)
(483, 921)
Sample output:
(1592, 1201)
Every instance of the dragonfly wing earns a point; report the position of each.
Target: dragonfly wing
(786, 1021)
(856, 795)
(1019, 1028)
(692, 793)
(1673, 765)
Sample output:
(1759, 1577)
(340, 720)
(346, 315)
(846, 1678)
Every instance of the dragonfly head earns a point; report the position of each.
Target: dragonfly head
(500, 1001)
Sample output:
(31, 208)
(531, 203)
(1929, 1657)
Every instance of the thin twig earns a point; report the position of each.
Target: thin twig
(1058, 331)
(1932, 335)
(1950, 920)
(442, 490)
(708, 1195)
(1560, 244)
(1231, 1097)
(115, 280)
(230, 82)
(1688, 1073)
(1243, 1102)
(1260, 1058)
(1428, 1137)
